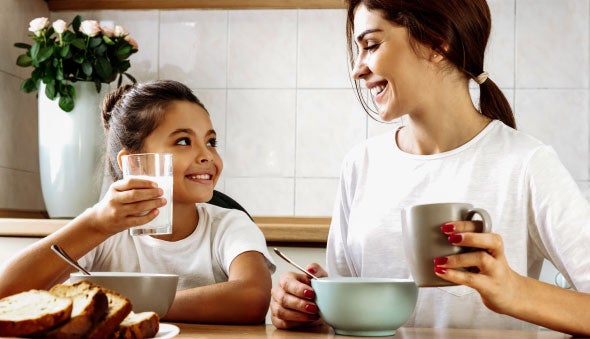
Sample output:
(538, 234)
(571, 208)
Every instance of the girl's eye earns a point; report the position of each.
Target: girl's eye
(212, 142)
(183, 142)
(371, 47)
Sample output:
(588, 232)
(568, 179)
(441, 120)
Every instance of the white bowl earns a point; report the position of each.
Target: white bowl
(147, 291)
(365, 306)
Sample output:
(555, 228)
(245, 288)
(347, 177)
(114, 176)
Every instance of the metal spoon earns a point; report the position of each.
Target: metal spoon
(294, 264)
(64, 255)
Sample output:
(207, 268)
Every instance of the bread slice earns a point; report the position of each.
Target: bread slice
(90, 306)
(119, 308)
(33, 311)
(139, 326)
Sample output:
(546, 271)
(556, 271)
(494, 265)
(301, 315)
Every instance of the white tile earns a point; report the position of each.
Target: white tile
(193, 47)
(499, 58)
(585, 188)
(262, 49)
(322, 56)
(260, 133)
(21, 190)
(315, 196)
(552, 44)
(508, 94)
(15, 16)
(143, 27)
(558, 118)
(262, 196)
(18, 118)
(329, 124)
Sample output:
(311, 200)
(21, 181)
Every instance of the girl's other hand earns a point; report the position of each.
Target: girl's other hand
(128, 202)
(292, 302)
(487, 271)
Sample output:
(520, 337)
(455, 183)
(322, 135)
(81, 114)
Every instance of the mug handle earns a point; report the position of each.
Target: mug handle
(487, 220)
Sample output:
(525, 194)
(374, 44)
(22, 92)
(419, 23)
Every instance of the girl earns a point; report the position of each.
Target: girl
(417, 58)
(219, 254)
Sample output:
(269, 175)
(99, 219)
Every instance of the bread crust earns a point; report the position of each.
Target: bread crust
(119, 308)
(33, 311)
(139, 326)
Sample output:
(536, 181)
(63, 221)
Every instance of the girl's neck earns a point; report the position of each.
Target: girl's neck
(184, 221)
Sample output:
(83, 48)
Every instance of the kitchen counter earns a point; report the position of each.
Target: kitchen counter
(269, 331)
(308, 230)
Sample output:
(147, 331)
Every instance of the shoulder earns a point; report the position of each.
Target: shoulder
(220, 218)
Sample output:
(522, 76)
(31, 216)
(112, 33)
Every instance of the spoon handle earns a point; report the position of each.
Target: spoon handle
(284, 257)
(60, 251)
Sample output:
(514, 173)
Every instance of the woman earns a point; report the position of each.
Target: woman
(219, 254)
(417, 58)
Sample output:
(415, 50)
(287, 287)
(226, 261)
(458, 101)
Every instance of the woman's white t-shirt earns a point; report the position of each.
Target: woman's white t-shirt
(534, 203)
(202, 258)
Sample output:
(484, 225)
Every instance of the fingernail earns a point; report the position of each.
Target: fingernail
(448, 228)
(440, 270)
(312, 270)
(455, 238)
(440, 260)
(309, 294)
(311, 308)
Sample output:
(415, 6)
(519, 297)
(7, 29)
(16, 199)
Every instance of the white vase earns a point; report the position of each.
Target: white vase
(71, 145)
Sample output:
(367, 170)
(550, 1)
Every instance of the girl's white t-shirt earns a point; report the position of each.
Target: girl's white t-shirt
(202, 258)
(534, 203)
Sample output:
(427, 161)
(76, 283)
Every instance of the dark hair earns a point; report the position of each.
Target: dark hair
(132, 112)
(456, 29)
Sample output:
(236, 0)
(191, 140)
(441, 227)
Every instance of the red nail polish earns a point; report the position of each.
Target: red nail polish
(455, 238)
(312, 270)
(309, 294)
(440, 261)
(440, 270)
(311, 308)
(448, 228)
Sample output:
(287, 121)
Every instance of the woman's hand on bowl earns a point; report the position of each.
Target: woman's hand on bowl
(292, 302)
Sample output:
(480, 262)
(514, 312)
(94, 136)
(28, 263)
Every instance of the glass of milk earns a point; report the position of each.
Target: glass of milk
(156, 167)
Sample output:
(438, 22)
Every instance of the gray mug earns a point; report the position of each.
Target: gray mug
(424, 240)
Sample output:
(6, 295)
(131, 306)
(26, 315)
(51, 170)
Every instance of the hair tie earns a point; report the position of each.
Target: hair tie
(480, 79)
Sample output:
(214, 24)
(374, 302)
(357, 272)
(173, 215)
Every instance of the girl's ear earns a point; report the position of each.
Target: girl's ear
(120, 157)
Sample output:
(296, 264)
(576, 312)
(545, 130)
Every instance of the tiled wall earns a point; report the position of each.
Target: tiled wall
(276, 84)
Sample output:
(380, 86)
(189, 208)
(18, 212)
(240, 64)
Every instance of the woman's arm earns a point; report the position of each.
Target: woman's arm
(243, 299)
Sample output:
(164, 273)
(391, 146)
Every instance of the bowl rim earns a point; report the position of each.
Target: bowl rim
(352, 280)
(123, 274)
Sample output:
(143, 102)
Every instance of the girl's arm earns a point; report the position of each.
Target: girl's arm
(38, 267)
(243, 299)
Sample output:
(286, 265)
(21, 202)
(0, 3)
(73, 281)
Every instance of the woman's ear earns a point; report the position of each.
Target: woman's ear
(120, 157)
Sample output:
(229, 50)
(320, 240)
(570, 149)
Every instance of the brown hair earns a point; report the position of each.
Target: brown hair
(131, 112)
(461, 26)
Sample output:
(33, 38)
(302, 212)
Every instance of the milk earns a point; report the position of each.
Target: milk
(161, 224)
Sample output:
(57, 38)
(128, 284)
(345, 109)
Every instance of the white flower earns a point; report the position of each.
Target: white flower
(120, 31)
(107, 31)
(38, 24)
(90, 27)
(132, 42)
(59, 26)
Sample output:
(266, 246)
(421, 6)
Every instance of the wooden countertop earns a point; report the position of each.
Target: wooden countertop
(310, 230)
(269, 331)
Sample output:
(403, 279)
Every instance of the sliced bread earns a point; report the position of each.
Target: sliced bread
(139, 326)
(90, 306)
(119, 308)
(33, 311)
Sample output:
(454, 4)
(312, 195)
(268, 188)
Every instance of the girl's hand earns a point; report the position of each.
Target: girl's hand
(487, 271)
(291, 304)
(128, 202)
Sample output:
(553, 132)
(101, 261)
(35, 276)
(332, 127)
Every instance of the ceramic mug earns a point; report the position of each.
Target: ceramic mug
(424, 240)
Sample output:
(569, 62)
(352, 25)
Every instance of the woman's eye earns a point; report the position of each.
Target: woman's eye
(183, 141)
(371, 47)
(212, 142)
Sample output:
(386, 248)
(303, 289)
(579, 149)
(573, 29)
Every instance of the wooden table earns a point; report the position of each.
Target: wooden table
(269, 331)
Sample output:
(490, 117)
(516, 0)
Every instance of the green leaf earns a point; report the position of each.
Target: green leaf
(22, 45)
(76, 23)
(35, 50)
(97, 40)
(87, 68)
(79, 44)
(123, 66)
(123, 52)
(44, 54)
(28, 86)
(66, 103)
(104, 68)
(63, 52)
(78, 59)
(130, 77)
(107, 40)
(101, 50)
(68, 37)
(24, 60)
(98, 85)
(50, 90)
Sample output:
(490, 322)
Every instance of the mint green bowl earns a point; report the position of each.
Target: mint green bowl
(365, 306)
